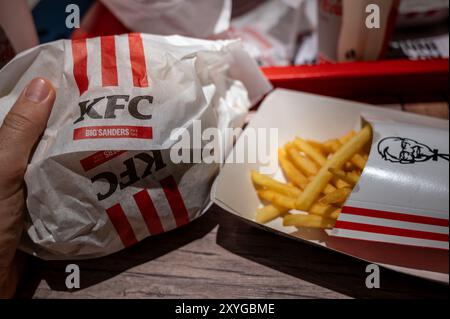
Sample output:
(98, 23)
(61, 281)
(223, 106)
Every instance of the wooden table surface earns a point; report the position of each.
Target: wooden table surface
(221, 256)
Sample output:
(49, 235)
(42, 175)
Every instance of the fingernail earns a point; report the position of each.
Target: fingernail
(37, 91)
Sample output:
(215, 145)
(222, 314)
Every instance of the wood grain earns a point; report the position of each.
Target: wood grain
(437, 109)
(220, 256)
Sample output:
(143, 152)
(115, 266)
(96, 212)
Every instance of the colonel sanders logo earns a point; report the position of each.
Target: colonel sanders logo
(407, 151)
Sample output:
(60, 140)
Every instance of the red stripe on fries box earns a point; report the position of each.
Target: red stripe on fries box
(79, 53)
(108, 60)
(122, 225)
(175, 200)
(148, 212)
(116, 131)
(391, 231)
(98, 159)
(395, 216)
(137, 59)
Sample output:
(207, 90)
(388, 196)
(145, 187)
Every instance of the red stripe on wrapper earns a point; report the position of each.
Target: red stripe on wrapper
(137, 59)
(395, 216)
(122, 225)
(116, 131)
(98, 159)
(79, 53)
(175, 200)
(108, 60)
(391, 231)
(148, 211)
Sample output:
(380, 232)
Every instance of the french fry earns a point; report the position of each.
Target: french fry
(310, 151)
(339, 183)
(323, 210)
(328, 189)
(277, 199)
(335, 214)
(310, 173)
(290, 171)
(366, 149)
(284, 203)
(348, 167)
(266, 181)
(291, 184)
(326, 211)
(332, 146)
(351, 178)
(323, 177)
(303, 163)
(339, 196)
(268, 213)
(355, 175)
(318, 146)
(347, 137)
(359, 161)
(313, 221)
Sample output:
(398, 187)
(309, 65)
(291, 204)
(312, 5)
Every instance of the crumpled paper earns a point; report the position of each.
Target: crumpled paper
(101, 177)
(270, 31)
(195, 18)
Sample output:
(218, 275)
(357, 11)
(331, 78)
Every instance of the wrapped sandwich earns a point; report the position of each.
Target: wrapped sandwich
(102, 177)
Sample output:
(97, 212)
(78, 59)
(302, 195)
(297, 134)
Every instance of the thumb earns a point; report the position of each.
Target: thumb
(22, 127)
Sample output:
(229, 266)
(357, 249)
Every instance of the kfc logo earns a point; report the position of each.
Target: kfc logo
(106, 107)
(130, 175)
(407, 151)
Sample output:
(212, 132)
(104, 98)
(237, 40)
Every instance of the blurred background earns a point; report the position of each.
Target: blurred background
(276, 32)
(300, 44)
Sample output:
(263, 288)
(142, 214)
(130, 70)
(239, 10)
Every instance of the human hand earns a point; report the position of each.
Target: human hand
(19, 133)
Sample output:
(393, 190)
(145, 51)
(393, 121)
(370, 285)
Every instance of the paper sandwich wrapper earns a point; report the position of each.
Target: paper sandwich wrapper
(396, 216)
(194, 18)
(101, 178)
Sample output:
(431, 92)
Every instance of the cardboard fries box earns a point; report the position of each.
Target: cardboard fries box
(396, 216)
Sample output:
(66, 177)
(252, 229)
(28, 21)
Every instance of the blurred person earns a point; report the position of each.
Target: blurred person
(17, 29)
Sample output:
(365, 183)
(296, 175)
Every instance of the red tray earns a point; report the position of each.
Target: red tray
(380, 82)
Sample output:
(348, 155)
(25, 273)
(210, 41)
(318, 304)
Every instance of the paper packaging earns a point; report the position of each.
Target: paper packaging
(124, 94)
(195, 18)
(269, 31)
(396, 216)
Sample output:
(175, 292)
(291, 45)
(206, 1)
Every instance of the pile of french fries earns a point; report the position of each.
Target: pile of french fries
(320, 178)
